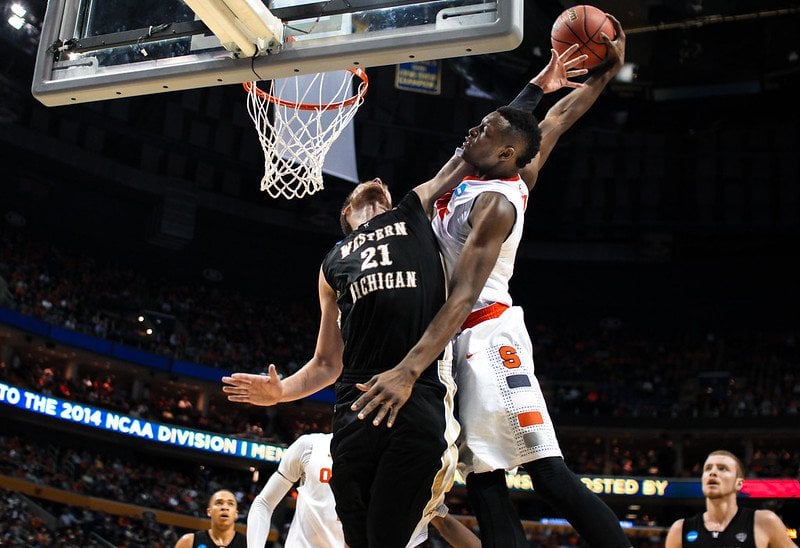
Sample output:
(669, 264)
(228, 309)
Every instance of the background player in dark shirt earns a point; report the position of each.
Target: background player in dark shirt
(724, 523)
(223, 511)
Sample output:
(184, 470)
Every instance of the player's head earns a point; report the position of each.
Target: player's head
(364, 202)
(723, 474)
(506, 136)
(222, 508)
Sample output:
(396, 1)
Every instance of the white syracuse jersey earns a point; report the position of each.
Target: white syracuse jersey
(315, 523)
(451, 226)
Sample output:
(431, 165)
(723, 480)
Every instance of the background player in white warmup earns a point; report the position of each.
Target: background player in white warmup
(315, 524)
(504, 417)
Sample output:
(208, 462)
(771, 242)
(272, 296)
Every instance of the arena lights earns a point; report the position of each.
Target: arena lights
(18, 10)
(17, 17)
(22, 20)
(627, 73)
(16, 21)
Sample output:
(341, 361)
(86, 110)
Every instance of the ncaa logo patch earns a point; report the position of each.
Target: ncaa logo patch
(691, 536)
(741, 537)
(459, 190)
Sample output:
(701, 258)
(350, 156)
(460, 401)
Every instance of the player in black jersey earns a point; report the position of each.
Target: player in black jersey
(223, 511)
(379, 288)
(724, 523)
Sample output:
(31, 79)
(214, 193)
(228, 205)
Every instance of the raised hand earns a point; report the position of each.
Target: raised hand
(262, 390)
(616, 47)
(558, 71)
(387, 392)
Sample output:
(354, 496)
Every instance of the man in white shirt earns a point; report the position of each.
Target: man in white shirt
(315, 524)
(307, 461)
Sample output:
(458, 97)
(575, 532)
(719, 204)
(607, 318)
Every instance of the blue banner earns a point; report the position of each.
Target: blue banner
(86, 415)
(419, 76)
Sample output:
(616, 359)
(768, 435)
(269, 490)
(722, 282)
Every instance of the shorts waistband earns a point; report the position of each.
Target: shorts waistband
(359, 375)
(494, 310)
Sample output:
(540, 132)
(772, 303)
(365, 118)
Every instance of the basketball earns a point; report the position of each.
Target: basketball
(583, 25)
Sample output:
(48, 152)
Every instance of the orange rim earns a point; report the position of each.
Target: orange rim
(362, 89)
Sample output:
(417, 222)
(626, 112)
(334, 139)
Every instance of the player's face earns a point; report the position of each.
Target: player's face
(486, 142)
(222, 508)
(720, 477)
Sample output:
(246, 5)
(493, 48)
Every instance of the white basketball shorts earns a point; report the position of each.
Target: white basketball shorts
(503, 415)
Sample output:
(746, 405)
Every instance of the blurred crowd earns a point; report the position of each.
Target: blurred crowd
(206, 323)
(638, 453)
(128, 477)
(144, 481)
(610, 371)
(162, 402)
(608, 368)
(24, 524)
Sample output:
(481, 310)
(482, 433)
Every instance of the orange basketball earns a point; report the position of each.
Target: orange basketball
(583, 25)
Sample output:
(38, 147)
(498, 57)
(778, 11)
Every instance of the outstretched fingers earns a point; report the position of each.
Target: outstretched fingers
(565, 55)
(246, 387)
(237, 388)
(576, 61)
(568, 64)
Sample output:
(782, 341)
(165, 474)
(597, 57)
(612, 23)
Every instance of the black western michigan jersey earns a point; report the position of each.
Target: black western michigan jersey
(740, 532)
(203, 540)
(389, 281)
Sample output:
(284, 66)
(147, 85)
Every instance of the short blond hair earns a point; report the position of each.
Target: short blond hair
(737, 460)
(349, 200)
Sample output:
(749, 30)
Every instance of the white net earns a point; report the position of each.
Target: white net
(297, 121)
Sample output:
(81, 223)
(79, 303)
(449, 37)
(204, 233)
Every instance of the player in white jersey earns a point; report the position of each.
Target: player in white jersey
(502, 412)
(508, 426)
(315, 524)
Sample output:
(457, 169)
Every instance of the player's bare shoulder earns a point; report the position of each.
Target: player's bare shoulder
(771, 531)
(186, 541)
(674, 535)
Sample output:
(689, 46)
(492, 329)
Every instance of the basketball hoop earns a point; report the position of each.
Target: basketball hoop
(308, 114)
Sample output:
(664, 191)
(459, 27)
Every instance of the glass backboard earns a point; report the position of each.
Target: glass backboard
(93, 50)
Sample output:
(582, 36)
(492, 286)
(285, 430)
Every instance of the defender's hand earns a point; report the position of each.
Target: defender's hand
(386, 392)
(255, 389)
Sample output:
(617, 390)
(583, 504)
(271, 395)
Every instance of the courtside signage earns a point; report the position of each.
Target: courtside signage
(672, 488)
(86, 415)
